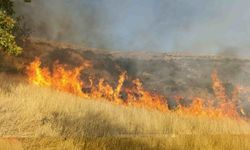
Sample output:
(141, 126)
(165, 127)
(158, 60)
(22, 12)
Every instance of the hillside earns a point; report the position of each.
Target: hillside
(36, 117)
(40, 108)
(163, 73)
(124, 75)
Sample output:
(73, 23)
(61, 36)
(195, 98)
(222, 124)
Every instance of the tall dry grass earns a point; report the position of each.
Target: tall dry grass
(40, 117)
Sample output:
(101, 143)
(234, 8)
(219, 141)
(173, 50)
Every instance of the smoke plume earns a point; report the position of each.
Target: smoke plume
(194, 25)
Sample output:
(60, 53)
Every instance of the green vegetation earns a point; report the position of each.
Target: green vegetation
(7, 39)
(7, 27)
(7, 7)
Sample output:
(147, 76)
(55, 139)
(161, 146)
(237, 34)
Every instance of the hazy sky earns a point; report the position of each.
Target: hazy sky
(163, 25)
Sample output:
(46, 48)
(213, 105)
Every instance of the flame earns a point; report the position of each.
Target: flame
(139, 97)
(69, 80)
(226, 106)
(60, 78)
(37, 75)
(199, 108)
(218, 88)
(119, 86)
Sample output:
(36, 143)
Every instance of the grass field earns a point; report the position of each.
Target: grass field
(33, 117)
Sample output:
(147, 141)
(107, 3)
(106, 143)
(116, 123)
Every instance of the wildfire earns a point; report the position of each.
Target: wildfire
(139, 97)
(226, 106)
(218, 88)
(61, 79)
(69, 80)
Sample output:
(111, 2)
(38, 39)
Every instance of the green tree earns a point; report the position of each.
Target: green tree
(7, 39)
(7, 7)
(7, 26)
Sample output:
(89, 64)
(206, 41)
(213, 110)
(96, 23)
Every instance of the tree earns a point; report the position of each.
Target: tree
(7, 26)
(7, 39)
(7, 7)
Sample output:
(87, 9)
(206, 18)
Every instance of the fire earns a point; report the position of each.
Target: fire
(226, 106)
(61, 79)
(139, 97)
(119, 86)
(198, 108)
(69, 80)
(37, 75)
(218, 88)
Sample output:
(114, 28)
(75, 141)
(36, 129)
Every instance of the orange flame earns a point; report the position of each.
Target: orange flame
(69, 80)
(218, 88)
(198, 108)
(142, 98)
(61, 79)
(226, 106)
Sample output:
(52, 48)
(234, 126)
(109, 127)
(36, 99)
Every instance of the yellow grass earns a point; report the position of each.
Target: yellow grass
(40, 118)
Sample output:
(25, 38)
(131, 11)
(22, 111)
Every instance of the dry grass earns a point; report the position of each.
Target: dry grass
(42, 118)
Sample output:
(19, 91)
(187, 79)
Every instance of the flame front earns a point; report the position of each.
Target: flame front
(139, 97)
(68, 80)
(61, 79)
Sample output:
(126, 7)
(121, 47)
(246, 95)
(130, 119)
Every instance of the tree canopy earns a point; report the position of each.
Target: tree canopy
(7, 26)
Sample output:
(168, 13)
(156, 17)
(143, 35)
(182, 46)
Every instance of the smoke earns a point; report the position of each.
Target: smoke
(180, 25)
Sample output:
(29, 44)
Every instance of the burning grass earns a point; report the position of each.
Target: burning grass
(29, 112)
(69, 80)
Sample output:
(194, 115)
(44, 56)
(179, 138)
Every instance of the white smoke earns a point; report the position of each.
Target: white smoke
(194, 25)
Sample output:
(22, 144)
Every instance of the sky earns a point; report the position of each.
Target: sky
(200, 26)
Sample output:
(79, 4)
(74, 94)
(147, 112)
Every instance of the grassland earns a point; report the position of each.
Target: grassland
(33, 117)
